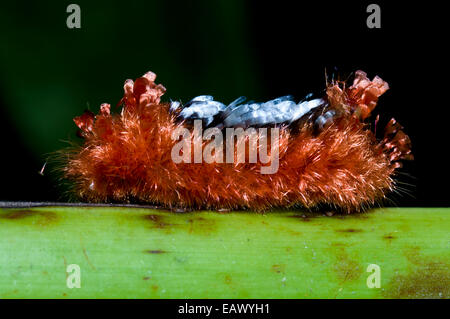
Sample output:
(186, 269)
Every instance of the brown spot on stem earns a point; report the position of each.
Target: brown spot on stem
(152, 217)
(87, 258)
(430, 280)
(278, 268)
(157, 251)
(157, 221)
(192, 223)
(201, 226)
(349, 230)
(44, 218)
(346, 268)
(17, 214)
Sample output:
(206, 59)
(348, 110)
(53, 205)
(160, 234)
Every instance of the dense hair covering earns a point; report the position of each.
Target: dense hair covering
(327, 153)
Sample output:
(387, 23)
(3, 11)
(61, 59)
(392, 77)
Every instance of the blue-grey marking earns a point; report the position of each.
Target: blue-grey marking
(239, 114)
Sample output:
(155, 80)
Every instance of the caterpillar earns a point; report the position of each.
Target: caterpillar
(154, 152)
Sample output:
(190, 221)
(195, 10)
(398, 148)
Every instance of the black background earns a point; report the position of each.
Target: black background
(289, 46)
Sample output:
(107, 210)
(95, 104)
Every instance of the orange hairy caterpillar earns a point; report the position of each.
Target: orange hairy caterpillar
(325, 152)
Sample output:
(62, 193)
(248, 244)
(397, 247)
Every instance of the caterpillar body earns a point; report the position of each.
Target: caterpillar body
(326, 153)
